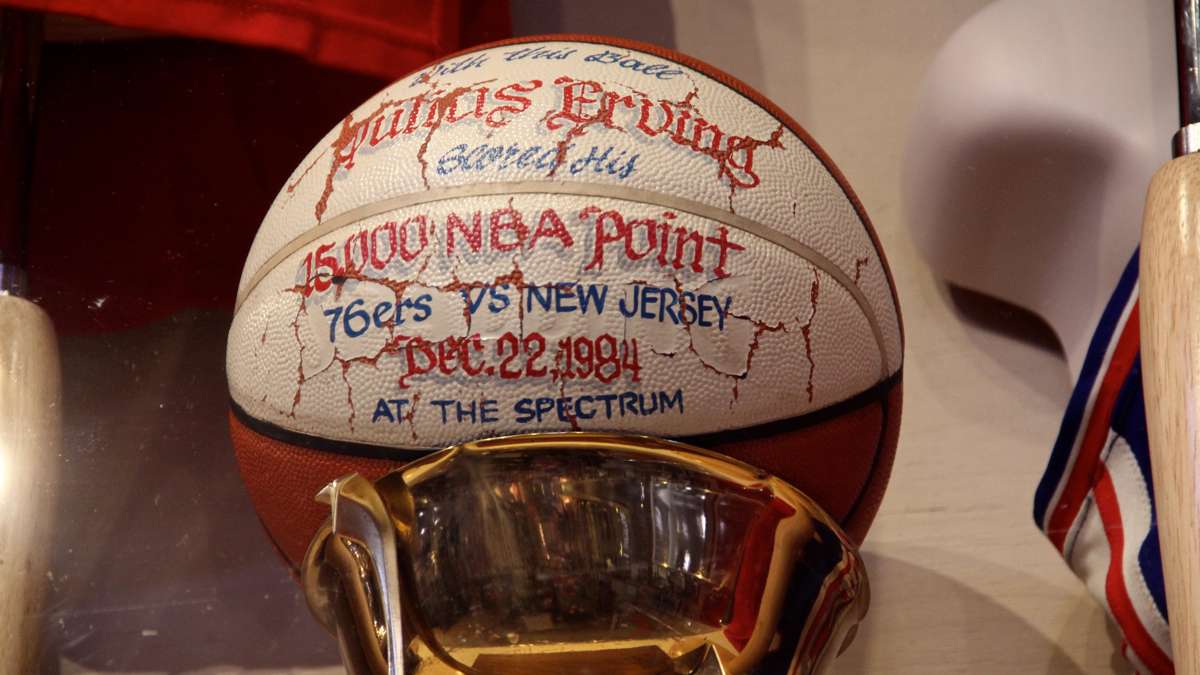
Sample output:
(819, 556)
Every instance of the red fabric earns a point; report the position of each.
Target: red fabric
(156, 159)
(386, 38)
(1096, 435)
(1115, 589)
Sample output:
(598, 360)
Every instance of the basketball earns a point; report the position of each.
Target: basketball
(564, 233)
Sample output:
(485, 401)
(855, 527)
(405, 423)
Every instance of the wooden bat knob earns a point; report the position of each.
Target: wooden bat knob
(30, 444)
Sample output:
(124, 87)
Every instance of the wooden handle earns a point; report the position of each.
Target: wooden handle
(1170, 342)
(30, 441)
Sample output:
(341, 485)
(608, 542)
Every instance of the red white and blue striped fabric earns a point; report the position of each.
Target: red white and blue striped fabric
(1095, 502)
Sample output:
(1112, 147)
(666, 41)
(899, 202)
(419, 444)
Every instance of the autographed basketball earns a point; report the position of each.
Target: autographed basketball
(556, 233)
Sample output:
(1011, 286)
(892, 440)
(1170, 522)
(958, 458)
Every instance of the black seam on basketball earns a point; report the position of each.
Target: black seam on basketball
(759, 431)
(376, 451)
(329, 445)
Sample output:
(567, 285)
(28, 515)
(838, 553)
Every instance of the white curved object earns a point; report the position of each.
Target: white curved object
(1037, 131)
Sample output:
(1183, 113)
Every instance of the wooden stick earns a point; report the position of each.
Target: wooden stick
(1170, 343)
(30, 443)
(30, 429)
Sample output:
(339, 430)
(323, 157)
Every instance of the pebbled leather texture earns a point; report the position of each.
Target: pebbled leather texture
(640, 304)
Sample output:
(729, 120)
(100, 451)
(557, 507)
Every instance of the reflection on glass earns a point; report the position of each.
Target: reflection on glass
(582, 553)
(519, 549)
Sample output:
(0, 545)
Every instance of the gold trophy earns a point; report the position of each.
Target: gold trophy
(581, 553)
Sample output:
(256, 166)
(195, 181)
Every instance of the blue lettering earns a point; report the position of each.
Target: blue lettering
(724, 312)
(591, 159)
(688, 308)
(351, 314)
(642, 410)
(509, 154)
(452, 157)
(676, 399)
(461, 412)
(605, 57)
(563, 406)
(600, 163)
(668, 308)
(539, 53)
(450, 67)
(593, 296)
(489, 157)
(579, 412)
(665, 304)
(421, 304)
(333, 315)
(628, 62)
(608, 401)
(627, 399)
(472, 304)
(625, 171)
(562, 305)
(629, 310)
(543, 300)
(482, 157)
(443, 404)
(524, 411)
(584, 407)
(487, 411)
(649, 299)
(380, 310)
(471, 161)
(499, 301)
(523, 160)
(382, 410)
(549, 158)
(704, 301)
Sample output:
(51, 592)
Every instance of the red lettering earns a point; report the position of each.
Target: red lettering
(452, 113)
(575, 96)
(474, 235)
(745, 146)
(406, 254)
(664, 230)
(550, 225)
(511, 95)
(682, 237)
(507, 219)
(724, 246)
(468, 345)
(447, 354)
(390, 229)
(344, 157)
(324, 279)
(348, 251)
(710, 145)
(680, 124)
(650, 226)
(619, 232)
(585, 102)
(376, 139)
(414, 113)
(643, 123)
(398, 114)
(417, 347)
(308, 274)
